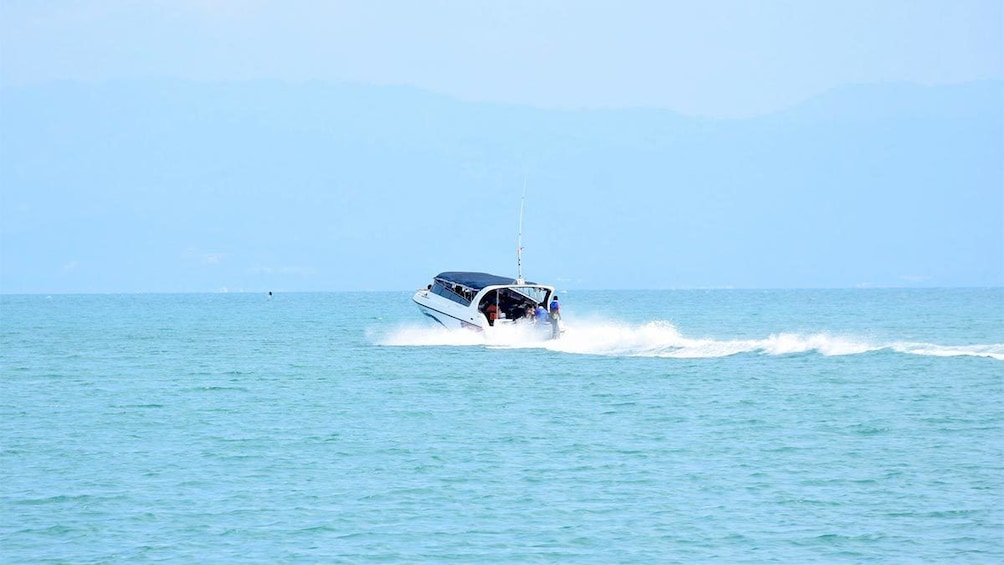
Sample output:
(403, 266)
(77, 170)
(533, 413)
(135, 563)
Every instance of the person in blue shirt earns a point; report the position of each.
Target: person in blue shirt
(540, 314)
(555, 317)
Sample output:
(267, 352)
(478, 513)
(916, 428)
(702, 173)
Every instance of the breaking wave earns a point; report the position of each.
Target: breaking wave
(662, 339)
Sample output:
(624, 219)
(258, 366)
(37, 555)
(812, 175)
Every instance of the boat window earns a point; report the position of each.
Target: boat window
(453, 292)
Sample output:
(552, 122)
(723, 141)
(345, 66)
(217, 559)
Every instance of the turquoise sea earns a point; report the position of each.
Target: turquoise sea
(722, 426)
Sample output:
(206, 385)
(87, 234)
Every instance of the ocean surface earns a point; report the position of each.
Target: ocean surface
(724, 426)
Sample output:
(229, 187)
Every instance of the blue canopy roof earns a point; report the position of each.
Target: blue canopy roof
(476, 281)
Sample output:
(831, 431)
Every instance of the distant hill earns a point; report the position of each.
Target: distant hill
(183, 186)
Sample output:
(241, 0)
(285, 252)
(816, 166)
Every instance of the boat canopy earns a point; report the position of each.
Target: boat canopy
(477, 281)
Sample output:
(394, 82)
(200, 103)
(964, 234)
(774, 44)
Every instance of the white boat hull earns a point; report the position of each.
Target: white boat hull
(451, 316)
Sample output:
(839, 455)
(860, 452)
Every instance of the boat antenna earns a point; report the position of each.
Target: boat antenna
(519, 238)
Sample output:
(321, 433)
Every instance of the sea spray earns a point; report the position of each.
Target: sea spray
(660, 338)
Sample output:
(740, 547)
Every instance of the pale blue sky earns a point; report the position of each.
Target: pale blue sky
(717, 58)
(195, 145)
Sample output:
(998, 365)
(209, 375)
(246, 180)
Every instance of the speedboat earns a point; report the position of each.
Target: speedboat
(487, 303)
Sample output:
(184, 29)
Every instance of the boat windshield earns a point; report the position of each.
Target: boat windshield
(534, 293)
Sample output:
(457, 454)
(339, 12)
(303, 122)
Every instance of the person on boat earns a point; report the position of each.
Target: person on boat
(492, 313)
(555, 318)
(540, 313)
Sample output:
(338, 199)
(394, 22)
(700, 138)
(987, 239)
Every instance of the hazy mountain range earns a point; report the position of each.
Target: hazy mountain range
(184, 186)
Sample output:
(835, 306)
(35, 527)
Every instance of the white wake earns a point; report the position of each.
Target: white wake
(662, 339)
